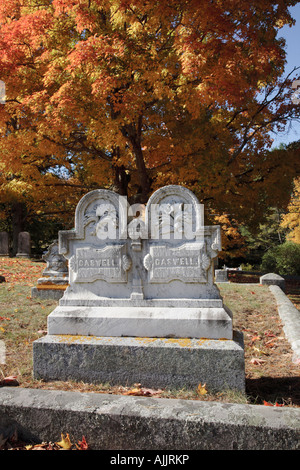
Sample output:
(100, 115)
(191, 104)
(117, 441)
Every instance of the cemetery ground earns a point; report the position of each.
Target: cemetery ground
(272, 377)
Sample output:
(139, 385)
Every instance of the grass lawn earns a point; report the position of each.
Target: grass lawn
(271, 375)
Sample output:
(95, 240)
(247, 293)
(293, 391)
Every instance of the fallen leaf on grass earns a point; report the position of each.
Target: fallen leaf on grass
(271, 343)
(82, 445)
(143, 392)
(257, 361)
(42, 332)
(11, 380)
(65, 442)
(266, 403)
(138, 390)
(260, 351)
(134, 391)
(201, 389)
(270, 334)
(254, 338)
(37, 447)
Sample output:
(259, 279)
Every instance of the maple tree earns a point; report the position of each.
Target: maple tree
(233, 242)
(132, 95)
(291, 220)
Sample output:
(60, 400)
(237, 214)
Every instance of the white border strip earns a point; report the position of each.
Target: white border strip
(290, 317)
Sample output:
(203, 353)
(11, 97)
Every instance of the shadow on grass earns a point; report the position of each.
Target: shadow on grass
(283, 390)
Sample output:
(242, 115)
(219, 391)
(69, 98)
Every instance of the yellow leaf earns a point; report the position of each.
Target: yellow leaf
(134, 391)
(260, 351)
(65, 442)
(201, 390)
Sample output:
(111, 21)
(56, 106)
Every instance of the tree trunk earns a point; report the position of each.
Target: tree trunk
(133, 133)
(121, 180)
(145, 181)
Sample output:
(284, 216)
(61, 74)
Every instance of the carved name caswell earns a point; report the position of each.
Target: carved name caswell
(187, 263)
(109, 263)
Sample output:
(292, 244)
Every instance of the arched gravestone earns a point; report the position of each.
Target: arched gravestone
(141, 278)
(24, 245)
(157, 285)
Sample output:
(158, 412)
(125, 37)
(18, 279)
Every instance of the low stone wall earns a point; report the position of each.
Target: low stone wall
(292, 283)
(290, 317)
(112, 422)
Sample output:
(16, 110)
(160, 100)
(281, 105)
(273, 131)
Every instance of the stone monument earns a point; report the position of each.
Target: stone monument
(55, 276)
(4, 244)
(24, 245)
(221, 275)
(272, 279)
(141, 305)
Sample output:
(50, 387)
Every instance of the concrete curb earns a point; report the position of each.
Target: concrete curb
(290, 317)
(116, 422)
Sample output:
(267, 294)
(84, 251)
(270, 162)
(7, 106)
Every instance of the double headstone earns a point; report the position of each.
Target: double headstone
(141, 288)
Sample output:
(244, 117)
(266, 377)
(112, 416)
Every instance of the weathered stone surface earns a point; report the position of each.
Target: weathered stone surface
(24, 245)
(148, 273)
(272, 279)
(140, 423)
(145, 267)
(55, 276)
(201, 322)
(221, 275)
(150, 276)
(154, 362)
(56, 270)
(47, 294)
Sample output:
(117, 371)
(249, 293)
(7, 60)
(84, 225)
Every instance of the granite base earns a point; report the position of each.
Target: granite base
(153, 362)
(152, 322)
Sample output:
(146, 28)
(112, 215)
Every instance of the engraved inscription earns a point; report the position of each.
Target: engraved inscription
(109, 264)
(187, 263)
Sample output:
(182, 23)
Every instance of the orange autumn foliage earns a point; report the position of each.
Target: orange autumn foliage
(233, 243)
(132, 95)
(291, 220)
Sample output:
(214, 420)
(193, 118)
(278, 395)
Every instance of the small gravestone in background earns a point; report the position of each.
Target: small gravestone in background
(221, 275)
(4, 244)
(141, 305)
(272, 279)
(24, 245)
(55, 276)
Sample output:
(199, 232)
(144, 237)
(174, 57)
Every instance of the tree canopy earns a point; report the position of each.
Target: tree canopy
(135, 94)
(291, 220)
